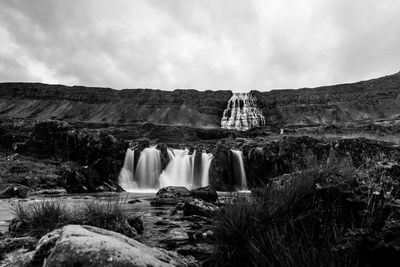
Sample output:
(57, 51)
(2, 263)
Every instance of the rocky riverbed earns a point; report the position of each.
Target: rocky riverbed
(185, 228)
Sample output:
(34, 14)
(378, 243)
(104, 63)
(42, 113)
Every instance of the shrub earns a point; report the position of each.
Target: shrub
(300, 219)
(108, 214)
(38, 218)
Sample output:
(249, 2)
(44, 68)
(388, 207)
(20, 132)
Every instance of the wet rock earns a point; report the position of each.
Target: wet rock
(171, 195)
(55, 191)
(221, 176)
(16, 190)
(75, 245)
(137, 223)
(81, 180)
(8, 245)
(133, 201)
(205, 193)
(164, 155)
(197, 250)
(199, 207)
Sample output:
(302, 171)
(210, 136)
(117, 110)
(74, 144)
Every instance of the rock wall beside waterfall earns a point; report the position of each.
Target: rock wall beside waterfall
(242, 113)
(372, 99)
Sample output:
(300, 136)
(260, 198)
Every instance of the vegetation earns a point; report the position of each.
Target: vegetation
(38, 218)
(304, 219)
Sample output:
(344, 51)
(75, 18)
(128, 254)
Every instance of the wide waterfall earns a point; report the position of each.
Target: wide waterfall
(242, 113)
(126, 178)
(181, 169)
(239, 171)
(148, 168)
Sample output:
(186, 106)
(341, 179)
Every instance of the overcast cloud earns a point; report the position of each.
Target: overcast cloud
(201, 44)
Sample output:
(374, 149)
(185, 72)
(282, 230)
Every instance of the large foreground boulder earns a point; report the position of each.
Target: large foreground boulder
(81, 245)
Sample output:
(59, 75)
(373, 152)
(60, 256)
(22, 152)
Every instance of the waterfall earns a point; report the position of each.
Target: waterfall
(148, 168)
(242, 113)
(180, 169)
(126, 178)
(205, 167)
(239, 171)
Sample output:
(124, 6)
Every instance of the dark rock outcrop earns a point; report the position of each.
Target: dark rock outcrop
(171, 195)
(206, 193)
(16, 190)
(200, 208)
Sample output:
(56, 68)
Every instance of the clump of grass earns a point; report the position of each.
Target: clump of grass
(38, 218)
(299, 220)
(109, 214)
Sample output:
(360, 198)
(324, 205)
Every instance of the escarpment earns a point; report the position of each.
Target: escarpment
(345, 103)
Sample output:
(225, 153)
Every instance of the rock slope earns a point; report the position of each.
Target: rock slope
(366, 100)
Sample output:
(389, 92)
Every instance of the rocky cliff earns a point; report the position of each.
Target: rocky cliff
(89, 104)
(367, 100)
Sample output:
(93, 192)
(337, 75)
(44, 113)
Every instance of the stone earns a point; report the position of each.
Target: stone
(81, 245)
(81, 180)
(206, 193)
(171, 195)
(8, 245)
(137, 223)
(199, 207)
(16, 190)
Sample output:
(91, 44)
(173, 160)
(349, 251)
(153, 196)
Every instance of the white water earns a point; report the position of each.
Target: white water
(239, 168)
(180, 169)
(126, 177)
(148, 169)
(242, 113)
(205, 168)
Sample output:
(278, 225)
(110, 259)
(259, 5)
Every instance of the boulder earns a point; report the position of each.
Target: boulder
(16, 190)
(206, 193)
(81, 179)
(221, 176)
(171, 195)
(199, 207)
(76, 245)
(8, 245)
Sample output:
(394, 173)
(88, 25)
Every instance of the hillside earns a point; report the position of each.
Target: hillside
(365, 100)
(372, 99)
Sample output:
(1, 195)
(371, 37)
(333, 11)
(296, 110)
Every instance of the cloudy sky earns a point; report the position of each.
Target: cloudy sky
(202, 44)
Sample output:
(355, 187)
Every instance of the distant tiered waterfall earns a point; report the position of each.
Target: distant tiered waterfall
(183, 169)
(239, 171)
(242, 113)
(126, 178)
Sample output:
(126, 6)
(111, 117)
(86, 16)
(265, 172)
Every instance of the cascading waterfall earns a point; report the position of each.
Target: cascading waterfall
(126, 177)
(239, 171)
(242, 113)
(180, 170)
(148, 168)
(205, 168)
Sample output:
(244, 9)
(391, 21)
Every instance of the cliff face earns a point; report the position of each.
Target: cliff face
(373, 99)
(179, 107)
